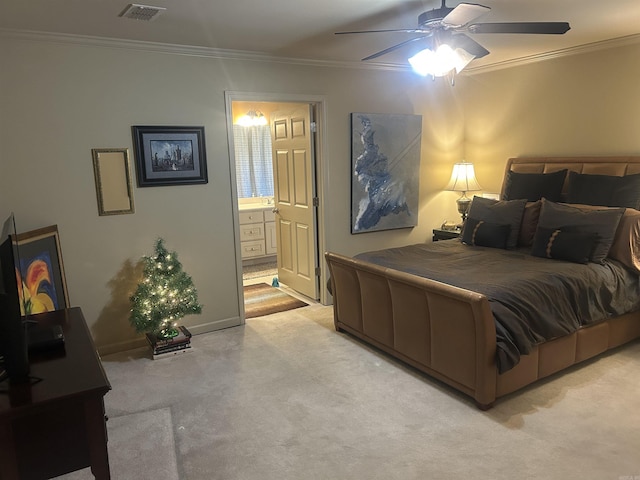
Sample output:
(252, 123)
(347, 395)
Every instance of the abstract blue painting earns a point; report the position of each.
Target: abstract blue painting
(385, 160)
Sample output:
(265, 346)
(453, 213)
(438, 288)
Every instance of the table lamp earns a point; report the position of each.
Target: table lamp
(463, 179)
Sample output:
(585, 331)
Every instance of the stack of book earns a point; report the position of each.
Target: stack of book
(169, 346)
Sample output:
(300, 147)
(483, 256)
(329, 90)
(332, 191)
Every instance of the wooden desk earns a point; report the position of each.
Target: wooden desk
(57, 425)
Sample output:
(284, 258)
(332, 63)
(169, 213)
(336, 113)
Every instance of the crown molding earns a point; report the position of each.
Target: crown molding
(241, 55)
(587, 48)
(186, 50)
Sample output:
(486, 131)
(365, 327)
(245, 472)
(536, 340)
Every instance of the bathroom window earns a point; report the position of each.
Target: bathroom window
(254, 170)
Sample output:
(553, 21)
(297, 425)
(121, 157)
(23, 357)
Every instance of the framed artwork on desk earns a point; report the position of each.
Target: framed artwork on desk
(42, 284)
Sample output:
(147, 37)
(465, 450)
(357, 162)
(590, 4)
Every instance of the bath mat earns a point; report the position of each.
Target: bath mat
(262, 299)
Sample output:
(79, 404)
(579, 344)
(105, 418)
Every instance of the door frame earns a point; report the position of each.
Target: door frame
(319, 103)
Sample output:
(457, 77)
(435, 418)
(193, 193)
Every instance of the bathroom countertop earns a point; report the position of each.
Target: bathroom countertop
(255, 206)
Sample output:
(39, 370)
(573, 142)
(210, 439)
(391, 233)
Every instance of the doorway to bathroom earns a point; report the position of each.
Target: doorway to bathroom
(277, 207)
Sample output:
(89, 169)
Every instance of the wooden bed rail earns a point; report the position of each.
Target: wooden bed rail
(442, 330)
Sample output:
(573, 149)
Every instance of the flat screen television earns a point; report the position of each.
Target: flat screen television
(13, 334)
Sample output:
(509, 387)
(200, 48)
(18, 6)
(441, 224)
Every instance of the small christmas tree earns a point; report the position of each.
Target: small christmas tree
(165, 295)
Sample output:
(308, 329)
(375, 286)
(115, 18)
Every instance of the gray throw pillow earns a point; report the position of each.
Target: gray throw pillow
(485, 234)
(601, 222)
(563, 244)
(500, 212)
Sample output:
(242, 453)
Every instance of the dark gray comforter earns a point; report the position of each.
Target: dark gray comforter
(532, 299)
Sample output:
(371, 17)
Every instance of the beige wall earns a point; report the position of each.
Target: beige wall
(587, 104)
(59, 100)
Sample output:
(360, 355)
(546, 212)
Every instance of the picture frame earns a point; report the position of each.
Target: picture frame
(385, 171)
(168, 155)
(112, 173)
(41, 269)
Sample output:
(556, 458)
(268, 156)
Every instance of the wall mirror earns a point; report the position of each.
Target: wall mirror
(113, 180)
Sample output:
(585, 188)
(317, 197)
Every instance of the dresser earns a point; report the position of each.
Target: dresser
(55, 424)
(257, 232)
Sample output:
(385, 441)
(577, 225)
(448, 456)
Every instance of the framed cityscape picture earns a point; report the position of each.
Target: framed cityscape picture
(169, 155)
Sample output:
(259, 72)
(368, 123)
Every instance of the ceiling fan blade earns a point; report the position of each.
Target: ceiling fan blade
(463, 14)
(401, 30)
(461, 40)
(551, 28)
(393, 48)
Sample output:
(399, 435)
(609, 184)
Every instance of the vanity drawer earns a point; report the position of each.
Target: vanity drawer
(252, 249)
(252, 216)
(253, 231)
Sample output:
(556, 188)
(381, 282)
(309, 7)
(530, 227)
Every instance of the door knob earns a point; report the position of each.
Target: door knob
(276, 210)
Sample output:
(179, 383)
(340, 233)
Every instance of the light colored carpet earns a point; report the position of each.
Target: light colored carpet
(293, 399)
(141, 446)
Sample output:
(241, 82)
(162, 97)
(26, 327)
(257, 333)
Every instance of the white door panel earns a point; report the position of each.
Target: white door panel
(294, 192)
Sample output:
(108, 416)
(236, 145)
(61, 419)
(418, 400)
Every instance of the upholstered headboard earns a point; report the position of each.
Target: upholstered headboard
(619, 166)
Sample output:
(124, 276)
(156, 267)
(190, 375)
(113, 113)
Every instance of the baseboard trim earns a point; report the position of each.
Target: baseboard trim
(139, 342)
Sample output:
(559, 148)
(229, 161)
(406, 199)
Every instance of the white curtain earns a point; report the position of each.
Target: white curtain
(254, 170)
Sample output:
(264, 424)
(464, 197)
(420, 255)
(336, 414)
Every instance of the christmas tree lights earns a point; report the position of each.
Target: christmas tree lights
(165, 294)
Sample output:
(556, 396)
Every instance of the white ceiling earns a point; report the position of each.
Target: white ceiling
(305, 29)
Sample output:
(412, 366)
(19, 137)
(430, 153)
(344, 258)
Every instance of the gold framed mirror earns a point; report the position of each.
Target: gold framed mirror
(112, 173)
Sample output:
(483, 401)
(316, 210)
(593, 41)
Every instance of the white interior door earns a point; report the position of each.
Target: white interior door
(294, 196)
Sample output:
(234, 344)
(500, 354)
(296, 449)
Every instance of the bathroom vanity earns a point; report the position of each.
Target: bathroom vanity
(257, 230)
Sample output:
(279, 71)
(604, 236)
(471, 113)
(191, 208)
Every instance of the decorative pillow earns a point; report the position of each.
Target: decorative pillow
(534, 186)
(602, 222)
(563, 244)
(605, 190)
(626, 242)
(529, 223)
(498, 212)
(485, 234)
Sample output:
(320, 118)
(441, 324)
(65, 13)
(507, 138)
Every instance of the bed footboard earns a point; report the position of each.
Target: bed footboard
(449, 332)
(444, 331)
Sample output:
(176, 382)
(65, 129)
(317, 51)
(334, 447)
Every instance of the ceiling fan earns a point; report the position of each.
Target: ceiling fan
(447, 25)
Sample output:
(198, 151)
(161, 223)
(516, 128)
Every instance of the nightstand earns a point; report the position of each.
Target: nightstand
(439, 234)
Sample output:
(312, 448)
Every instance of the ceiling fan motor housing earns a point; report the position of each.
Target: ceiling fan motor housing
(433, 17)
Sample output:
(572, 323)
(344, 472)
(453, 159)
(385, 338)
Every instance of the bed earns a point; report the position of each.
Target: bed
(429, 306)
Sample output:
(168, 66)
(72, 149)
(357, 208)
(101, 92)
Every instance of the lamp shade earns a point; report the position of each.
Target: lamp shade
(463, 178)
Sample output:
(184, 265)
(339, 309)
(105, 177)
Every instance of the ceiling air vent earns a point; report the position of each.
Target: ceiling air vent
(141, 12)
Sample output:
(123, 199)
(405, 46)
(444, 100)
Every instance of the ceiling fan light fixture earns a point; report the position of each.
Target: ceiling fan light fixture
(463, 59)
(440, 62)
